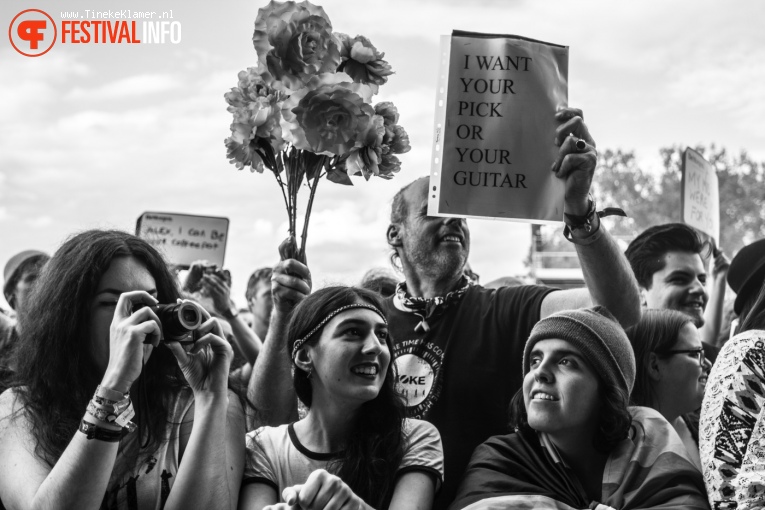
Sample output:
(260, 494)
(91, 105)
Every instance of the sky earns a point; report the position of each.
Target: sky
(92, 136)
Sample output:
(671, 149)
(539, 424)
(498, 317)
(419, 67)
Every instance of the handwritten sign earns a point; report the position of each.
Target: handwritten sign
(700, 194)
(495, 128)
(185, 238)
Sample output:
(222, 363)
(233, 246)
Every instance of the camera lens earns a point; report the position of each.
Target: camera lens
(178, 320)
(189, 315)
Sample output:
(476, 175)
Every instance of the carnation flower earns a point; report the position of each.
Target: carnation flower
(395, 139)
(241, 148)
(294, 42)
(389, 166)
(329, 115)
(362, 62)
(254, 103)
(375, 153)
(364, 160)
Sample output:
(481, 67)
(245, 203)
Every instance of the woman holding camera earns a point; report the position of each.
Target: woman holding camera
(354, 449)
(105, 412)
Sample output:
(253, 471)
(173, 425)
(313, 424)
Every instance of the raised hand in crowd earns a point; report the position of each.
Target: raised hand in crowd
(270, 387)
(217, 286)
(606, 272)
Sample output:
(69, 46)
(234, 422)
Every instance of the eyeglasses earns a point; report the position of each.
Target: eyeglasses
(698, 353)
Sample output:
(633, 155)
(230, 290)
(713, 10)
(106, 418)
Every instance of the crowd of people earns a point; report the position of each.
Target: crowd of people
(127, 387)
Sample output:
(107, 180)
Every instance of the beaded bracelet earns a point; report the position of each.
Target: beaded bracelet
(93, 431)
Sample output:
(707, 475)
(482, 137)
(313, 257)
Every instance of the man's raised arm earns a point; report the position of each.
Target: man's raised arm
(609, 278)
(270, 390)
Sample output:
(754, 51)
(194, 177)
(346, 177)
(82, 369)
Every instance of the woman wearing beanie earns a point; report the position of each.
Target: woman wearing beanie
(671, 371)
(576, 443)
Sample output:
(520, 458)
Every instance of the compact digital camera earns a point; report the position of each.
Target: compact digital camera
(177, 319)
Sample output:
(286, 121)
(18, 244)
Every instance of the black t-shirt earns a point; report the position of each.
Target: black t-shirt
(462, 373)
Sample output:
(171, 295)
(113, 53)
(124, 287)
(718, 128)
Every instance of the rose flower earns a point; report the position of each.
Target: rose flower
(294, 41)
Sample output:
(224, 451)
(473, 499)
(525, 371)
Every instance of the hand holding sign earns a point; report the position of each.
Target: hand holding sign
(574, 165)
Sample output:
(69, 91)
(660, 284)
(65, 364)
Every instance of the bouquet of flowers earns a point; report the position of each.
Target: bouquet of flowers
(306, 110)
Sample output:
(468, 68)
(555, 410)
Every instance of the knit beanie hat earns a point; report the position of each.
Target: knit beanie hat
(599, 337)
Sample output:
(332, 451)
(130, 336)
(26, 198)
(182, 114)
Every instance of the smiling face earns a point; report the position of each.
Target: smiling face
(679, 286)
(351, 358)
(681, 378)
(432, 245)
(561, 391)
(124, 274)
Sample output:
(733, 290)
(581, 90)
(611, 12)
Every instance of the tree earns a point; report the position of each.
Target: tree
(651, 198)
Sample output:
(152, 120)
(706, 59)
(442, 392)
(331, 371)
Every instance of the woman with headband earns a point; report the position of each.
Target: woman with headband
(354, 448)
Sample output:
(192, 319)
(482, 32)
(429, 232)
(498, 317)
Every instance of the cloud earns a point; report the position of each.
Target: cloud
(132, 86)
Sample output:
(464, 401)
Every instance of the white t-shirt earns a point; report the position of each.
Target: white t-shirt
(276, 457)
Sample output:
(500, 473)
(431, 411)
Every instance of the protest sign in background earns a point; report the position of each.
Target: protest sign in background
(700, 194)
(185, 238)
(495, 128)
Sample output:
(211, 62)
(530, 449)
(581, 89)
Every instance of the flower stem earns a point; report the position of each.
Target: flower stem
(304, 235)
(284, 195)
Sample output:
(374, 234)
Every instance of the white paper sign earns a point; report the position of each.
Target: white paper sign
(185, 238)
(495, 128)
(700, 194)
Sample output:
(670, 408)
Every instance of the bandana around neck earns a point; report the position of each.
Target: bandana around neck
(430, 309)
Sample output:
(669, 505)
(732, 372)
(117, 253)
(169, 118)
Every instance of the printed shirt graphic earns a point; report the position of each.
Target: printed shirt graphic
(461, 374)
(732, 428)
(419, 365)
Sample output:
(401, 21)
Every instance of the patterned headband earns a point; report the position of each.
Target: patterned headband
(303, 340)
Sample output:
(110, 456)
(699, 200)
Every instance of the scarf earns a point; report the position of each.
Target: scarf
(430, 309)
(650, 469)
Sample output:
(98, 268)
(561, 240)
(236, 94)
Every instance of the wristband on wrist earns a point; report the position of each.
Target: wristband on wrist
(584, 222)
(110, 394)
(113, 416)
(117, 406)
(93, 431)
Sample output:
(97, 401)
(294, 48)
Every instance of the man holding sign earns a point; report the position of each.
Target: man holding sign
(458, 347)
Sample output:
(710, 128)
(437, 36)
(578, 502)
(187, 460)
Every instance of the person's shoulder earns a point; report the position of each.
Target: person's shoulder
(11, 406)
(752, 339)
(267, 433)
(417, 427)
(642, 413)
(510, 291)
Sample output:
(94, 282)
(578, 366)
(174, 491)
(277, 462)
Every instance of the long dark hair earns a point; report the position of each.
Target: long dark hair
(614, 416)
(656, 332)
(375, 448)
(753, 312)
(56, 375)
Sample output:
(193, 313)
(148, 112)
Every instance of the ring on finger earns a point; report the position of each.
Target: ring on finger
(579, 143)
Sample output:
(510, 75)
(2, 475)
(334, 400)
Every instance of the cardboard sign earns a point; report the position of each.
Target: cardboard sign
(185, 238)
(700, 194)
(495, 128)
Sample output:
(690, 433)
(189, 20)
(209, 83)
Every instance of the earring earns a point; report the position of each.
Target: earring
(310, 371)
